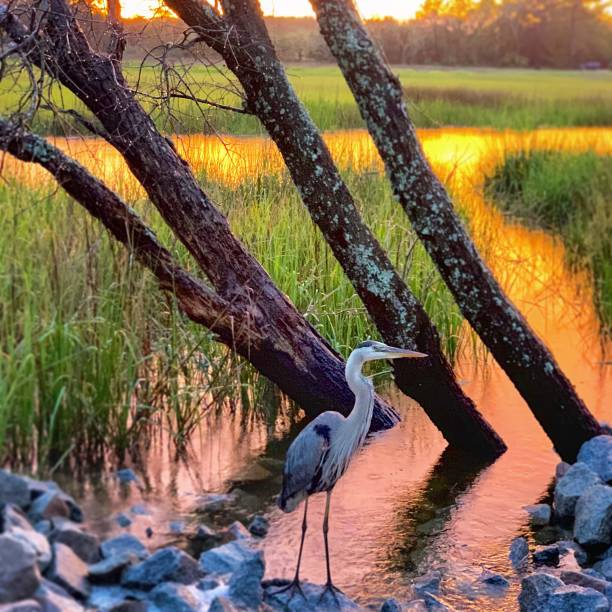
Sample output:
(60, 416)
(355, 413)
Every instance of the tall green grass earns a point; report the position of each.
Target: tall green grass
(499, 98)
(569, 194)
(95, 359)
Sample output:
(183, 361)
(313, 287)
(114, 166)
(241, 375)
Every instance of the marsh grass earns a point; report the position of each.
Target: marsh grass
(499, 98)
(95, 359)
(569, 194)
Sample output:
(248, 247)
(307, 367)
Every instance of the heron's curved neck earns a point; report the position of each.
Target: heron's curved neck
(363, 390)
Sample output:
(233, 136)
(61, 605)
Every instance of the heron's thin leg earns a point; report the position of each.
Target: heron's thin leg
(325, 531)
(294, 585)
(304, 527)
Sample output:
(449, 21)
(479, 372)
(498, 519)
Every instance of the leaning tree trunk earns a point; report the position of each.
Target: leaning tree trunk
(515, 346)
(270, 333)
(241, 38)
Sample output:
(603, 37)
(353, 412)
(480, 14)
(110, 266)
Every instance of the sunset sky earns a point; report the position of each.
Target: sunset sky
(400, 9)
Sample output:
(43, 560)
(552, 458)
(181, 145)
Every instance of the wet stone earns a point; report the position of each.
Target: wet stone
(140, 510)
(569, 488)
(575, 598)
(110, 569)
(124, 544)
(108, 597)
(26, 605)
(85, 545)
(492, 579)
(429, 583)
(167, 564)
(569, 546)
(597, 454)
(259, 526)
(584, 580)
(561, 469)
(539, 514)
(16, 523)
(416, 605)
(548, 555)
(236, 531)
(123, 520)
(14, 489)
(228, 558)
(19, 573)
(433, 603)
(126, 475)
(177, 527)
(593, 524)
(130, 605)
(519, 549)
(245, 583)
(177, 597)
(391, 605)
(47, 506)
(535, 590)
(55, 599)
(69, 571)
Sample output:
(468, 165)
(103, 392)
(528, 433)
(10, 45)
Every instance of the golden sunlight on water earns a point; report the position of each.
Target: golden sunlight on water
(406, 505)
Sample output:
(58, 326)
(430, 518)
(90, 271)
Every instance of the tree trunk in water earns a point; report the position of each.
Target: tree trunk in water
(515, 346)
(270, 333)
(241, 38)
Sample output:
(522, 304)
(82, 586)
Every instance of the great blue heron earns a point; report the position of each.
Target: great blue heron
(320, 455)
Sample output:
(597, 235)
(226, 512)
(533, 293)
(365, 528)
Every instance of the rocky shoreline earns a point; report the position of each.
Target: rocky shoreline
(49, 562)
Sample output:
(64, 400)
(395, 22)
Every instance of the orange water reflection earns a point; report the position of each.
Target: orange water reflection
(404, 506)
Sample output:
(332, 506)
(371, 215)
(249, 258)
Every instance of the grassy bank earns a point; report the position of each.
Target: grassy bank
(571, 195)
(93, 357)
(499, 98)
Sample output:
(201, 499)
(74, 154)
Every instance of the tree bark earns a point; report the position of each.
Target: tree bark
(515, 346)
(280, 342)
(241, 38)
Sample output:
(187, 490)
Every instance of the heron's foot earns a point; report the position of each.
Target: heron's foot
(293, 587)
(333, 591)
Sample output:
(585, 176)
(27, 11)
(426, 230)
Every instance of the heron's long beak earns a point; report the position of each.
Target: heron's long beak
(391, 352)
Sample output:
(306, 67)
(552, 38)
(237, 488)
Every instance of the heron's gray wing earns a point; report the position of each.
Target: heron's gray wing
(306, 453)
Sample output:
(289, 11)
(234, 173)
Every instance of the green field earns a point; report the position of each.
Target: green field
(500, 98)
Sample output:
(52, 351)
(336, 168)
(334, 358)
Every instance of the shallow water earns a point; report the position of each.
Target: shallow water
(406, 505)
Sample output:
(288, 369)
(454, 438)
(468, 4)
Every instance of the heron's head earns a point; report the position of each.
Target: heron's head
(371, 350)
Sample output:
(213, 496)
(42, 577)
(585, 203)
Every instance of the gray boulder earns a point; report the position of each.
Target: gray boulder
(547, 555)
(535, 590)
(576, 599)
(165, 565)
(14, 489)
(597, 454)
(569, 488)
(316, 598)
(259, 526)
(236, 531)
(392, 605)
(584, 580)
(434, 604)
(49, 505)
(570, 547)
(26, 605)
(416, 605)
(85, 545)
(593, 524)
(130, 605)
(429, 583)
(245, 583)
(177, 597)
(561, 469)
(38, 488)
(126, 475)
(19, 573)
(15, 522)
(229, 558)
(53, 598)
(605, 568)
(493, 580)
(539, 514)
(124, 544)
(69, 571)
(519, 549)
(110, 569)
(107, 598)
(123, 520)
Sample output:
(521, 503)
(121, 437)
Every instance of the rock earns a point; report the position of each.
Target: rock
(53, 598)
(584, 580)
(222, 604)
(123, 544)
(597, 454)
(126, 475)
(316, 598)
(535, 590)
(416, 605)
(177, 597)
(69, 571)
(149, 532)
(259, 526)
(593, 524)
(245, 583)
(213, 502)
(177, 527)
(106, 598)
(228, 558)
(140, 510)
(19, 573)
(25, 605)
(561, 469)
(493, 579)
(47, 506)
(605, 568)
(110, 569)
(123, 520)
(392, 605)
(539, 514)
(429, 583)
(433, 603)
(576, 599)
(206, 534)
(236, 531)
(130, 605)
(547, 555)
(39, 488)
(15, 522)
(569, 488)
(519, 549)
(165, 565)
(567, 546)
(14, 490)
(85, 545)
(208, 584)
